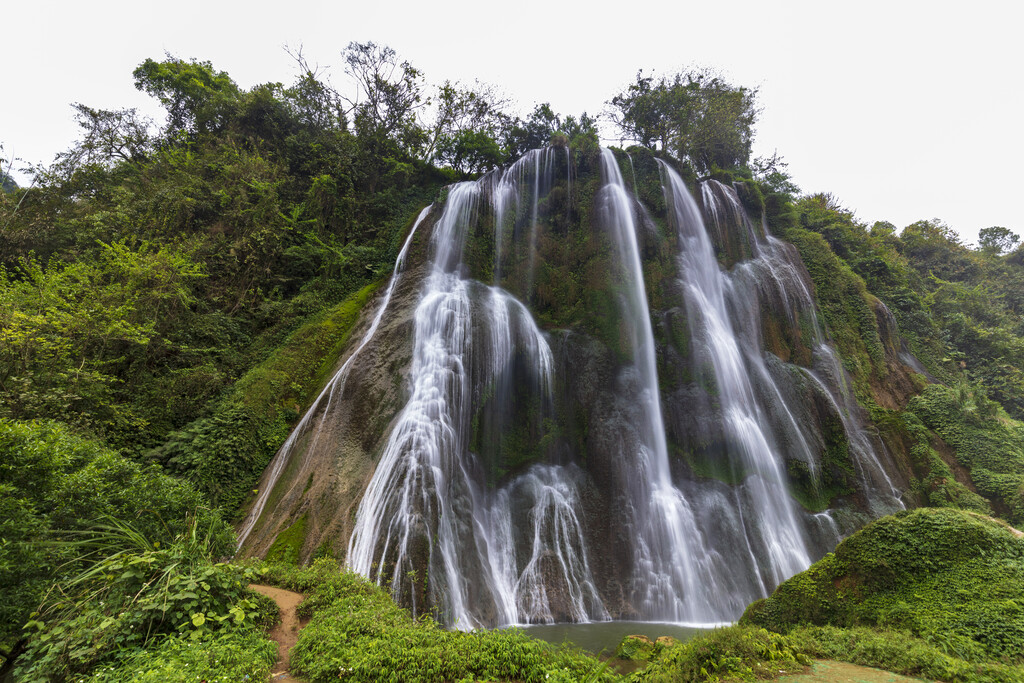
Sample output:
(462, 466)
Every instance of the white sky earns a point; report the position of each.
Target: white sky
(902, 110)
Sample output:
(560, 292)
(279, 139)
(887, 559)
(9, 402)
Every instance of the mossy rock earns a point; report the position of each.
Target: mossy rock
(638, 648)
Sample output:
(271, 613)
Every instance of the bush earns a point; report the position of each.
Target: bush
(125, 599)
(733, 653)
(954, 659)
(237, 655)
(55, 485)
(358, 633)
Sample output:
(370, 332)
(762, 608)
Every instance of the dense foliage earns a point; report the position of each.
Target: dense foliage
(55, 486)
(133, 591)
(944, 575)
(696, 116)
(736, 653)
(357, 633)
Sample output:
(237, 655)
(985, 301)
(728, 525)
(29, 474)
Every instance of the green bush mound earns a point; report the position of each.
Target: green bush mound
(358, 633)
(742, 653)
(940, 574)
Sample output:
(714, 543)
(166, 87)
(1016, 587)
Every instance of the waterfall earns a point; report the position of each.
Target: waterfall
(515, 554)
(335, 387)
(772, 526)
(519, 484)
(674, 573)
(774, 275)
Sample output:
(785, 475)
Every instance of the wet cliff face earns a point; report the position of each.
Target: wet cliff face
(588, 391)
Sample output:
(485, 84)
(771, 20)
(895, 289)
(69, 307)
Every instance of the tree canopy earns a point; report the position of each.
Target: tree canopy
(694, 115)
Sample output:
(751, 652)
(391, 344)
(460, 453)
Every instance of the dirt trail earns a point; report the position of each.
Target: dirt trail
(286, 633)
(823, 671)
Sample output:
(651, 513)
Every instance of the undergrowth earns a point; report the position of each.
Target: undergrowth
(740, 653)
(945, 659)
(358, 633)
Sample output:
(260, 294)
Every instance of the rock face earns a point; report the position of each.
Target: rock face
(570, 404)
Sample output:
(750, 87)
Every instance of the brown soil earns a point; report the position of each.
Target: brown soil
(286, 633)
(823, 671)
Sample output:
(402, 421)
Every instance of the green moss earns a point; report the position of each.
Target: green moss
(288, 544)
(224, 454)
(637, 648)
(847, 310)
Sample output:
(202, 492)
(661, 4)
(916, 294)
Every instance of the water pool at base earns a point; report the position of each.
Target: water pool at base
(605, 636)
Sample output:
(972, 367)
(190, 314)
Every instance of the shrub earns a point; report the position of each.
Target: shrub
(733, 653)
(126, 598)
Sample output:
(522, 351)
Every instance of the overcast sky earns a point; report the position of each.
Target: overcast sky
(902, 110)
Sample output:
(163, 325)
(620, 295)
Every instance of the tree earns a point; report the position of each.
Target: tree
(7, 184)
(315, 102)
(110, 137)
(197, 97)
(536, 131)
(997, 240)
(389, 98)
(773, 174)
(695, 115)
(467, 125)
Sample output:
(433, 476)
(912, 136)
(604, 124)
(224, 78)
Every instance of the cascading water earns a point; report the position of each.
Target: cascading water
(775, 268)
(772, 528)
(529, 477)
(674, 577)
(428, 504)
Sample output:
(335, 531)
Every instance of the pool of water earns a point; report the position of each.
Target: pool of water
(606, 635)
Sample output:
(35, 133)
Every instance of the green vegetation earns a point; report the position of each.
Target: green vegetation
(903, 653)
(988, 444)
(172, 300)
(695, 115)
(950, 577)
(736, 653)
(224, 454)
(131, 591)
(288, 544)
(357, 633)
(235, 655)
(55, 486)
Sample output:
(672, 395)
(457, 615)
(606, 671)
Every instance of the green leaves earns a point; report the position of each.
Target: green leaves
(694, 115)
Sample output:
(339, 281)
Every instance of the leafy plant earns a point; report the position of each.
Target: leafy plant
(132, 591)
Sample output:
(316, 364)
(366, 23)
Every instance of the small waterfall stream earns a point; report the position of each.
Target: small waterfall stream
(335, 387)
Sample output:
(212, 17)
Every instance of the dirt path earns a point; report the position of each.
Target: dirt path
(840, 672)
(285, 633)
